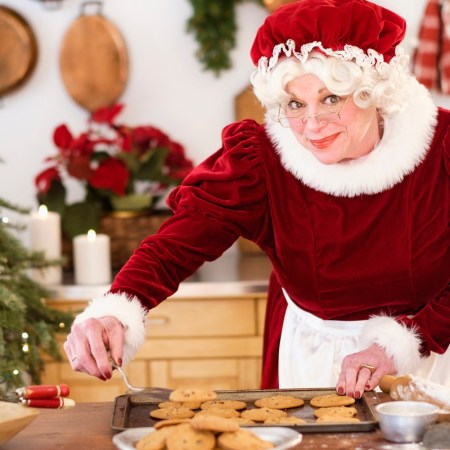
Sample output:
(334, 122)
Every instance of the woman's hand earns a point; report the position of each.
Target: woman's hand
(92, 343)
(356, 377)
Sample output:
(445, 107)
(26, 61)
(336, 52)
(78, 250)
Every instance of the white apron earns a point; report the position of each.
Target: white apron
(312, 350)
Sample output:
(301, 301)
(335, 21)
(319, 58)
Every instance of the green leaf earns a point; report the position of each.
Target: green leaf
(55, 199)
(151, 168)
(79, 218)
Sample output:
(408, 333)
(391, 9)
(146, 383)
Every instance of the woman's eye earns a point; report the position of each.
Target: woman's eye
(294, 105)
(332, 100)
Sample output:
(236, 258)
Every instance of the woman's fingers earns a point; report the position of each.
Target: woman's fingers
(90, 344)
(362, 371)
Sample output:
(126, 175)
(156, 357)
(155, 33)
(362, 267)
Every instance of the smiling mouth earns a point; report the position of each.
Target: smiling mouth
(324, 143)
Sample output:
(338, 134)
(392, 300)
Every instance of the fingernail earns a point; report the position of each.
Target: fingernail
(119, 361)
(341, 391)
(350, 394)
(357, 394)
(368, 386)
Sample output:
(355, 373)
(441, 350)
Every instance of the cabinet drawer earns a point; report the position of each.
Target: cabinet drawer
(193, 317)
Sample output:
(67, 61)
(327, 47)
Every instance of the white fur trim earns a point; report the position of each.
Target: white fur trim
(128, 310)
(399, 342)
(406, 139)
(349, 53)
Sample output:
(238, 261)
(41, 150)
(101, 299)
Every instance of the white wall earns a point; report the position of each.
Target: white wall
(167, 86)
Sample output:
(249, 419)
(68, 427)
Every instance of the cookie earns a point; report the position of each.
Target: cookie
(243, 421)
(169, 422)
(189, 405)
(184, 437)
(222, 412)
(279, 402)
(242, 439)
(192, 395)
(229, 404)
(336, 411)
(156, 440)
(337, 419)
(172, 413)
(262, 414)
(214, 423)
(324, 401)
(290, 420)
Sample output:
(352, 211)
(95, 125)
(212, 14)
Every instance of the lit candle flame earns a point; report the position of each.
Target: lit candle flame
(91, 235)
(43, 212)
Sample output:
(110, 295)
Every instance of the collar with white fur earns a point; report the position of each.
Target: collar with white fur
(405, 142)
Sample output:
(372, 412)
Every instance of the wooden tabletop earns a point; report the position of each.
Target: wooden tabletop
(88, 426)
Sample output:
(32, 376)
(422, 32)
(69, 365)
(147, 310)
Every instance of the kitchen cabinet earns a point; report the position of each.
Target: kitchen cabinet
(207, 334)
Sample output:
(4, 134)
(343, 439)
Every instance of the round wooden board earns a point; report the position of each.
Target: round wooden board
(18, 50)
(94, 62)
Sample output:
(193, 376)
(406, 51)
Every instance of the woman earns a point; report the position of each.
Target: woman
(346, 188)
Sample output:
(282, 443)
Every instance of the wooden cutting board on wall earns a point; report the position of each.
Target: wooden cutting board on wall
(18, 50)
(94, 61)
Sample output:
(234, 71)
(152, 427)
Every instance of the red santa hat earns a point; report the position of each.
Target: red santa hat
(347, 29)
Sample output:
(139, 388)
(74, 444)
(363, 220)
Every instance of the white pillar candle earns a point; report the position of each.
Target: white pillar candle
(92, 258)
(45, 236)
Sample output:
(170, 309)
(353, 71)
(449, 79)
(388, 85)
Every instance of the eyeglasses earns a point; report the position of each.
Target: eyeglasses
(326, 114)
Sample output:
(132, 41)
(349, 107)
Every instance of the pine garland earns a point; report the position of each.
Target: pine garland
(214, 26)
(28, 327)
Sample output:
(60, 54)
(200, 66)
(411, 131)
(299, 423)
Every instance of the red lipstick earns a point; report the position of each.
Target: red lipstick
(325, 142)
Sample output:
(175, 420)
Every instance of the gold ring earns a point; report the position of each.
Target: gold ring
(73, 358)
(368, 366)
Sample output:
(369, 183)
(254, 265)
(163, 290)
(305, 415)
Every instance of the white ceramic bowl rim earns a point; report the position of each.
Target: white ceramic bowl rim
(407, 408)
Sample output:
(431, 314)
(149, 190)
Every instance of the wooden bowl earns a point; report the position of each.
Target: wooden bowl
(14, 418)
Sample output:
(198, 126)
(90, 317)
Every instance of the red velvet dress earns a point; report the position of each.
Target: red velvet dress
(342, 258)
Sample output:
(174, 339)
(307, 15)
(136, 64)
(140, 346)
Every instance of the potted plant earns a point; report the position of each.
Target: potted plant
(119, 167)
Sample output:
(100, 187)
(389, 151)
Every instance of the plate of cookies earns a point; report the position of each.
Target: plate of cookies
(205, 433)
(303, 410)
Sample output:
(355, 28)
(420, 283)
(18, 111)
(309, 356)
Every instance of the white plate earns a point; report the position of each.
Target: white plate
(283, 437)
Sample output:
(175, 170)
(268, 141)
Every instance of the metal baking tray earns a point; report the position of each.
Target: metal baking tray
(132, 410)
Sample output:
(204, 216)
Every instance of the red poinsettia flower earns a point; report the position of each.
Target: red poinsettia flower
(111, 174)
(107, 114)
(80, 167)
(43, 181)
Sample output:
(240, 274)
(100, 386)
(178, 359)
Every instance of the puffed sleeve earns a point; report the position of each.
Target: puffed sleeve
(222, 198)
(433, 321)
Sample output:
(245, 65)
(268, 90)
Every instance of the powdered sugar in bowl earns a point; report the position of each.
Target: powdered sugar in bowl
(405, 421)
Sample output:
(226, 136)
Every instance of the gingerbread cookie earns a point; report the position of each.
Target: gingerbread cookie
(279, 402)
(324, 401)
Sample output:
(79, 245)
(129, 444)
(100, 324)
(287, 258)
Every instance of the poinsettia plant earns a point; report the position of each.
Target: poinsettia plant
(120, 168)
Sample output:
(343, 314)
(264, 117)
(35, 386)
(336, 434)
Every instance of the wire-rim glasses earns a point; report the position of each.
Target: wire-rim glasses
(297, 119)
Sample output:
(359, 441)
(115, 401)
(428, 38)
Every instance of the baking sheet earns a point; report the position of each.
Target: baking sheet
(132, 410)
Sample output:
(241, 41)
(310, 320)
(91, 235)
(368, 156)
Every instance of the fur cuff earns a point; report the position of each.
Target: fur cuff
(399, 342)
(128, 310)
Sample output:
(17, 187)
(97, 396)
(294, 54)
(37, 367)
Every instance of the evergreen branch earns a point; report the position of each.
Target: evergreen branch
(214, 25)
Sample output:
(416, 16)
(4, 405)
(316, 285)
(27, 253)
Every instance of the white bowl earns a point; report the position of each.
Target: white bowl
(405, 421)
(14, 418)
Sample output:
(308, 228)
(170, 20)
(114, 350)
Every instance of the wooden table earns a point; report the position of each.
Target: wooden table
(88, 426)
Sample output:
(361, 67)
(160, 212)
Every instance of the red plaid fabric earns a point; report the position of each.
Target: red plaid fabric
(431, 63)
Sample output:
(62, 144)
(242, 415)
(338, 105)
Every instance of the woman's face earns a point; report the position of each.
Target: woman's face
(334, 137)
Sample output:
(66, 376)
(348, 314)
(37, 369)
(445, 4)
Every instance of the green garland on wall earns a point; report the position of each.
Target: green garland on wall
(214, 25)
